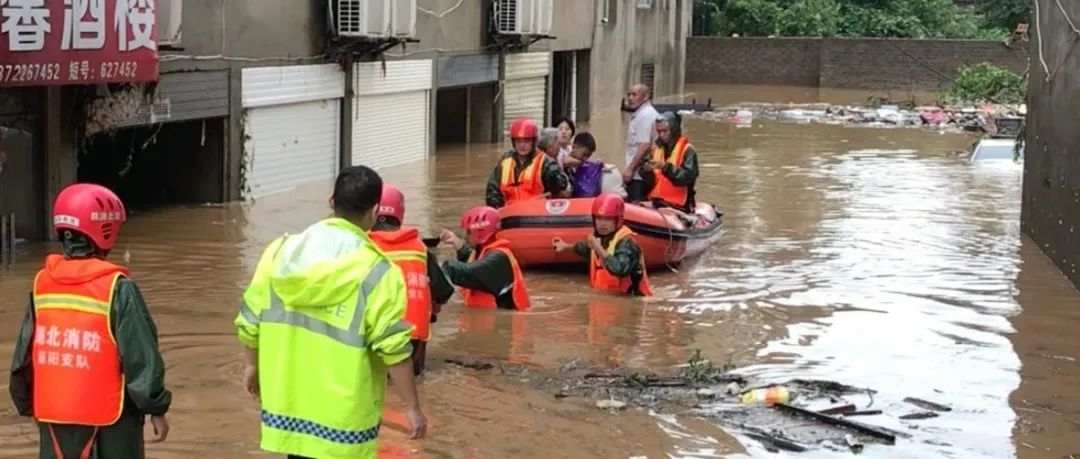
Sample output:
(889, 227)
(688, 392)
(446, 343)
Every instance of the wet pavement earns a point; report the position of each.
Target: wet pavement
(874, 258)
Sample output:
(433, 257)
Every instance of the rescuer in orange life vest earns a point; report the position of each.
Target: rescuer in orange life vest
(428, 287)
(488, 273)
(672, 169)
(524, 172)
(616, 264)
(86, 364)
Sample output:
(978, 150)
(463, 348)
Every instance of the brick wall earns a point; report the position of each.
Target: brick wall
(841, 63)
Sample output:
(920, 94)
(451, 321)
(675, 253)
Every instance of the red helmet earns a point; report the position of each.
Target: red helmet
(480, 224)
(92, 210)
(609, 205)
(524, 128)
(392, 203)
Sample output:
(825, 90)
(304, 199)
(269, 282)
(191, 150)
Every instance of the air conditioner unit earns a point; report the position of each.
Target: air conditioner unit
(515, 17)
(170, 15)
(363, 18)
(404, 18)
(543, 13)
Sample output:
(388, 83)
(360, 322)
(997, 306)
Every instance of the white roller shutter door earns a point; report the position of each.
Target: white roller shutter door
(292, 126)
(392, 116)
(525, 90)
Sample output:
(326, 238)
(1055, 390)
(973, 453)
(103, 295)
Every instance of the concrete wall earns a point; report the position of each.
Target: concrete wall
(634, 37)
(248, 33)
(1051, 207)
(842, 63)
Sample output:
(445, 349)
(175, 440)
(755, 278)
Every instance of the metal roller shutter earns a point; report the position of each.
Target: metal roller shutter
(525, 90)
(392, 116)
(292, 125)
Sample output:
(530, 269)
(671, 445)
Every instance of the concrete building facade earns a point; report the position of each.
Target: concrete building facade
(1051, 203)
(257, 96)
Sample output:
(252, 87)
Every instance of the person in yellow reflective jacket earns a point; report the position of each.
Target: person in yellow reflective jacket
(322, 323)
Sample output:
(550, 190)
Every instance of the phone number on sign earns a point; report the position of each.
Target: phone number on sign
(110, 70)
(29, 72)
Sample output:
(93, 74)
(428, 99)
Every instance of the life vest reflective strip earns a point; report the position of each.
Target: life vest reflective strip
(484, 300)
(664, 190)
(602, 280)
(411, 256)
(78, 377)
(528, 184)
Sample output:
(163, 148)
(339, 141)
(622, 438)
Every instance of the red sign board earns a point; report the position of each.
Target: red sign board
(57, 42)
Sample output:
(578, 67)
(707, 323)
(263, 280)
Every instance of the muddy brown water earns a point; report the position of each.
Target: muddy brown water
(875, 258)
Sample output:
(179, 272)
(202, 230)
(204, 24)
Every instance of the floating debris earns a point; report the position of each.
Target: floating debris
(927, 405)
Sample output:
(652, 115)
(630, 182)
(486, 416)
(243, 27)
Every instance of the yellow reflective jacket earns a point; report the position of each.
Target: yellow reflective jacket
(325, 310)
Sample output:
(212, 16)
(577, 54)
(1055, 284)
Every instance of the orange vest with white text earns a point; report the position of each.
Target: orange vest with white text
(484, 300)
(405, 249)
(602, 280)
(664, 190)
(78, 378)
(527, 184)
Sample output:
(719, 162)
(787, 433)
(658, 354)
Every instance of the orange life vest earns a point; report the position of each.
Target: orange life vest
(602, 280)
(528, 184)
(664, 190)
(78, 378)
(484, 300)
(405, 249)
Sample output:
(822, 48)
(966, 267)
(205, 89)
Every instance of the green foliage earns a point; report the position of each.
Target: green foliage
(1005, 14)
(845, 18)
(986, 83)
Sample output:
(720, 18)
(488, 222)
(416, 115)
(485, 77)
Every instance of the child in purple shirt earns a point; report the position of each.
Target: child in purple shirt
(586, 173)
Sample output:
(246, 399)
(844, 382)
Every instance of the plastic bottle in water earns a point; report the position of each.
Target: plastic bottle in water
(767, 395)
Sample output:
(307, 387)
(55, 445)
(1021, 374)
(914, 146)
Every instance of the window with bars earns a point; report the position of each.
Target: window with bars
(648, 75)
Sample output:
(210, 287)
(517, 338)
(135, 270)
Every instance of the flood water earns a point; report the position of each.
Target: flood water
(875, 258)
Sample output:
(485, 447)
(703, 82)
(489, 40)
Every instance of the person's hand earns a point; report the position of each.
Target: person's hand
(594, 243)
(655, 164)
(417, 423)
(161, 428)
(559, 244)
(448, 237)
(251, 380)
(627, 175)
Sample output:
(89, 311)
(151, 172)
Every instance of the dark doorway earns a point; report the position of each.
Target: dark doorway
(570, 86)
(171, 163)
(465, 114)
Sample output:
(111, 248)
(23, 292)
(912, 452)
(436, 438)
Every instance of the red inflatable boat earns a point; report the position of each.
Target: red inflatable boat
(665, 237)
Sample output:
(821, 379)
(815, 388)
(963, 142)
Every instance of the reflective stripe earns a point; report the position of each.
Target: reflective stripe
(350, 337)
(77, 303)
(400, 327)
(407, 255)
(370, 282)
(303, 426)
(248, 315)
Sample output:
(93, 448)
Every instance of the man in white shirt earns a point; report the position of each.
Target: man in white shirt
(639, 139)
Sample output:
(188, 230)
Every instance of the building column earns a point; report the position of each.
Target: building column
(60, 161)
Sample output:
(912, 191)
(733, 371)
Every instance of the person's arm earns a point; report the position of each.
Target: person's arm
(441, 289)
(582, 249)
(685, 175)
(388, 336)
(493, 196)
(247, 319)
(492, 273)
(555, 180)
(21, 383)
(137, 340)
(625, 260)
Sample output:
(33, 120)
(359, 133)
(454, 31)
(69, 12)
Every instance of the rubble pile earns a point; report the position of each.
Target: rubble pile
(982, 119)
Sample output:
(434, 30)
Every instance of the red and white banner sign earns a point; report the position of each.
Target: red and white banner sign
(57, 42)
